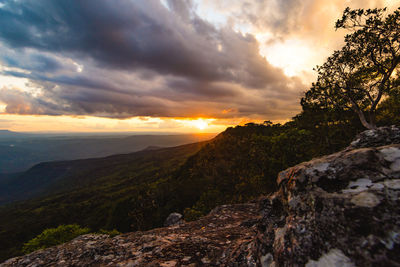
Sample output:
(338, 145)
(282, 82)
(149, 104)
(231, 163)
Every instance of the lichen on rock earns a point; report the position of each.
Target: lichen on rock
(338, 210)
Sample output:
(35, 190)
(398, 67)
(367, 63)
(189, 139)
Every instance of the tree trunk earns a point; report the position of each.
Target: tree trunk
(372, 119)
(369, 125)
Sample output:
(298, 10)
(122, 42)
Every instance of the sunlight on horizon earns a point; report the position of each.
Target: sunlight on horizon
(201, 124)
(273, 53)
(44, 123)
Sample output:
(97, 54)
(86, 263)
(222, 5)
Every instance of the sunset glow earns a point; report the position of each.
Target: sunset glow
(201, 124)
(30, 123)
(209, 64)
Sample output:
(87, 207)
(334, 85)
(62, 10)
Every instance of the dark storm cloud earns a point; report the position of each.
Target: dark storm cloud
(139, 58)
(124, 34)
(202, 90)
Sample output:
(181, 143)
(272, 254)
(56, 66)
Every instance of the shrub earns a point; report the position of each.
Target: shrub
(54, 236)
(192, 214)
(111, 233)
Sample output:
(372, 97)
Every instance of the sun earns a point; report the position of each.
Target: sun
(200, 124)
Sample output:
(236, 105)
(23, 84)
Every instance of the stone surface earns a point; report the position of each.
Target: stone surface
(378, 137)
(339, 210)
(218, 239)
(334, 258)
(173, 219)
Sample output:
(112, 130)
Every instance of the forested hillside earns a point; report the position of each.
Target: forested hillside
(64, 176)
(137, 191)
(100, 193)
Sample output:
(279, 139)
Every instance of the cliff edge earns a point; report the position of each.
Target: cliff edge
(338, 210)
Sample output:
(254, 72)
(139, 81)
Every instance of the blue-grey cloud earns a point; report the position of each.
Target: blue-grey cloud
(139, 58)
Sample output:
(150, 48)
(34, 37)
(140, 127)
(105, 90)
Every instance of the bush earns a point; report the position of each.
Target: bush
(54, 236)
(192, 214)
(111, 233)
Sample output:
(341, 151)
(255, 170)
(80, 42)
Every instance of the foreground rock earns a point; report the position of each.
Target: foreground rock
(380, 137)
(173, 219)
(338, 210)
(215, 240)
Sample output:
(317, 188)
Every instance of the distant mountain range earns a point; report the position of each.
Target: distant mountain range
(20, 151)
(60, 176)
(11, 134)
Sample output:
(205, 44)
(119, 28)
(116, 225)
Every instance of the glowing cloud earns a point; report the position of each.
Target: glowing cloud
(229, 60)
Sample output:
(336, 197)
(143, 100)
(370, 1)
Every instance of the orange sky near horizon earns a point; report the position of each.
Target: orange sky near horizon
(67, 124)
(283, 47)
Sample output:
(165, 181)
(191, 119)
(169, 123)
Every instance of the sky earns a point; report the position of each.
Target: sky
(161, 65)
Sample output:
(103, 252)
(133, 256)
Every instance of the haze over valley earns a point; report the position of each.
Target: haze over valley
(20, 151)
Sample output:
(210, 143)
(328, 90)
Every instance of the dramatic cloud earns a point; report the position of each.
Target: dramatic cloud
(135, 58)
(288, 18)
(123, 58)
(295, 35)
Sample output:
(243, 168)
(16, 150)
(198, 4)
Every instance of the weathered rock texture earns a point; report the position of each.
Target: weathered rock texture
(338, 210)
(217, 239)
(173, 219)
(379, 137)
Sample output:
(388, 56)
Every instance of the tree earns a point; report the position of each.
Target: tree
(365, 70)
(389, 109)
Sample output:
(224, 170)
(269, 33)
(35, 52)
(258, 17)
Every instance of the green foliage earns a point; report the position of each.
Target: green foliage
(389, 110)
(63, 233)
(192, 214)
(54, 236)
(111, 233)
(331, 129)
(101, 193)
(240, 164)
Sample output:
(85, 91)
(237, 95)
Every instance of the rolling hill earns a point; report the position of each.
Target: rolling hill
(95, 192)
(18, 151)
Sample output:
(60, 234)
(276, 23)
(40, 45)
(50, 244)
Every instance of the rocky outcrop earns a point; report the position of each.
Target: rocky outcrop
(173, 219)
(338, 210)
(218, 239)
(379, 137)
